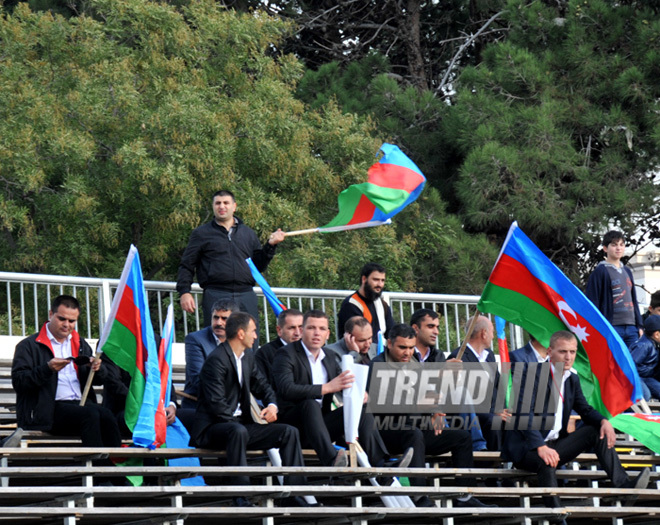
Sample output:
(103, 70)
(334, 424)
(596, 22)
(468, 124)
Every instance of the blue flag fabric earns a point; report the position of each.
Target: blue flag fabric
(277, 305)
(178, 437)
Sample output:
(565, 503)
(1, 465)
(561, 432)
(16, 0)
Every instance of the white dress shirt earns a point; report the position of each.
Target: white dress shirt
(319, 373)
(239, 370)
(68, 386)
(559, 415)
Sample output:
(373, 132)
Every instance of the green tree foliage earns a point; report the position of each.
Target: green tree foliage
(558, 126)
(117, 125)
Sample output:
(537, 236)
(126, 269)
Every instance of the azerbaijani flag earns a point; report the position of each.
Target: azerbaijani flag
(128, 339)
(502, 345)
(165, 368)
(527, 289)
(277, 305)
(644, 427)
(392, 183)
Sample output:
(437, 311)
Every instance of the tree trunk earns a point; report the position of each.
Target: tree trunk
(411, 30)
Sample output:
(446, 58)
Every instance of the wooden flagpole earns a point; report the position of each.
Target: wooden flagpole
(332, 229)
(90, 377)
(301, 232)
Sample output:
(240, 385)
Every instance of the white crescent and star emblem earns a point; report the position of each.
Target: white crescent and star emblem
(579, 331)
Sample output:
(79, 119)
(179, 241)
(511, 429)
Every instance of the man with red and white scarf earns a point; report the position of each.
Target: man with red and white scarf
(49, 371)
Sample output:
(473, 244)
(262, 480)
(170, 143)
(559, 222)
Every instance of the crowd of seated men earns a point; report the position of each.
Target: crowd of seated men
(298, 381)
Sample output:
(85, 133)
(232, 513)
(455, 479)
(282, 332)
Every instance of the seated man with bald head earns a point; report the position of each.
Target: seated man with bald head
(478, 350)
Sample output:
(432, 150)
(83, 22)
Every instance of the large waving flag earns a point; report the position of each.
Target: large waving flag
(392, 183)
(277, 305)
(527, 289)
(128, 339)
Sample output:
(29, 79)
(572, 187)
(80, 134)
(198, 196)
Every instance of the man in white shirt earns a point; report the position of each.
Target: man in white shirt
(542, 451)
(306, 380)
(49, 372)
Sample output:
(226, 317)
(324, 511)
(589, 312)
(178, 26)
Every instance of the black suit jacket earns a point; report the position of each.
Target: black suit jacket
(469, 357)
(435, 356)
(518, 442)
(293, 377)
(264, 358)
(220, 391)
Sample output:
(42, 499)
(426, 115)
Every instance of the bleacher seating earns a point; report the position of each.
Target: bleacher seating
(52, 479)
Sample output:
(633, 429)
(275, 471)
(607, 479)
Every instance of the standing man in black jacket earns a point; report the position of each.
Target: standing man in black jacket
(217, 251)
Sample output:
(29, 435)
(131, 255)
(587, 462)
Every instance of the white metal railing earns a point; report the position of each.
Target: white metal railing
(25, 300)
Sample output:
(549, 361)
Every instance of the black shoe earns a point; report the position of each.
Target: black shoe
(294, 501)
(13, 440)
(472, 502)
(640, 482)
(405, 459)
(642, 479)
(424, 501)
(240, 501)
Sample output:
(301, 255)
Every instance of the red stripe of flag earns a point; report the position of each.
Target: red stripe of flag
(394, 176)
(364, 211)
(128, 315)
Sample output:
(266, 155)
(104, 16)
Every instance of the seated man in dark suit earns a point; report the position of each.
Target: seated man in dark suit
(199, 346)
(289, 330)
(542, 451)
(401, 342)
(478, 351)
(223, 419)
(306, 380)
(426, 323)
(357, 341)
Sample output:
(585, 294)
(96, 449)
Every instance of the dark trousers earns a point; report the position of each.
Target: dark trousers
(568, 448)
(247, 301)
(236, 438)
(458, 443)
(423, 442)
(398, 441)
(95, 424)
(187, 418)
(320, 430)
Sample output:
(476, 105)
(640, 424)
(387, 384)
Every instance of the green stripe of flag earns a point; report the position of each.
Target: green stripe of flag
(121, 347)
